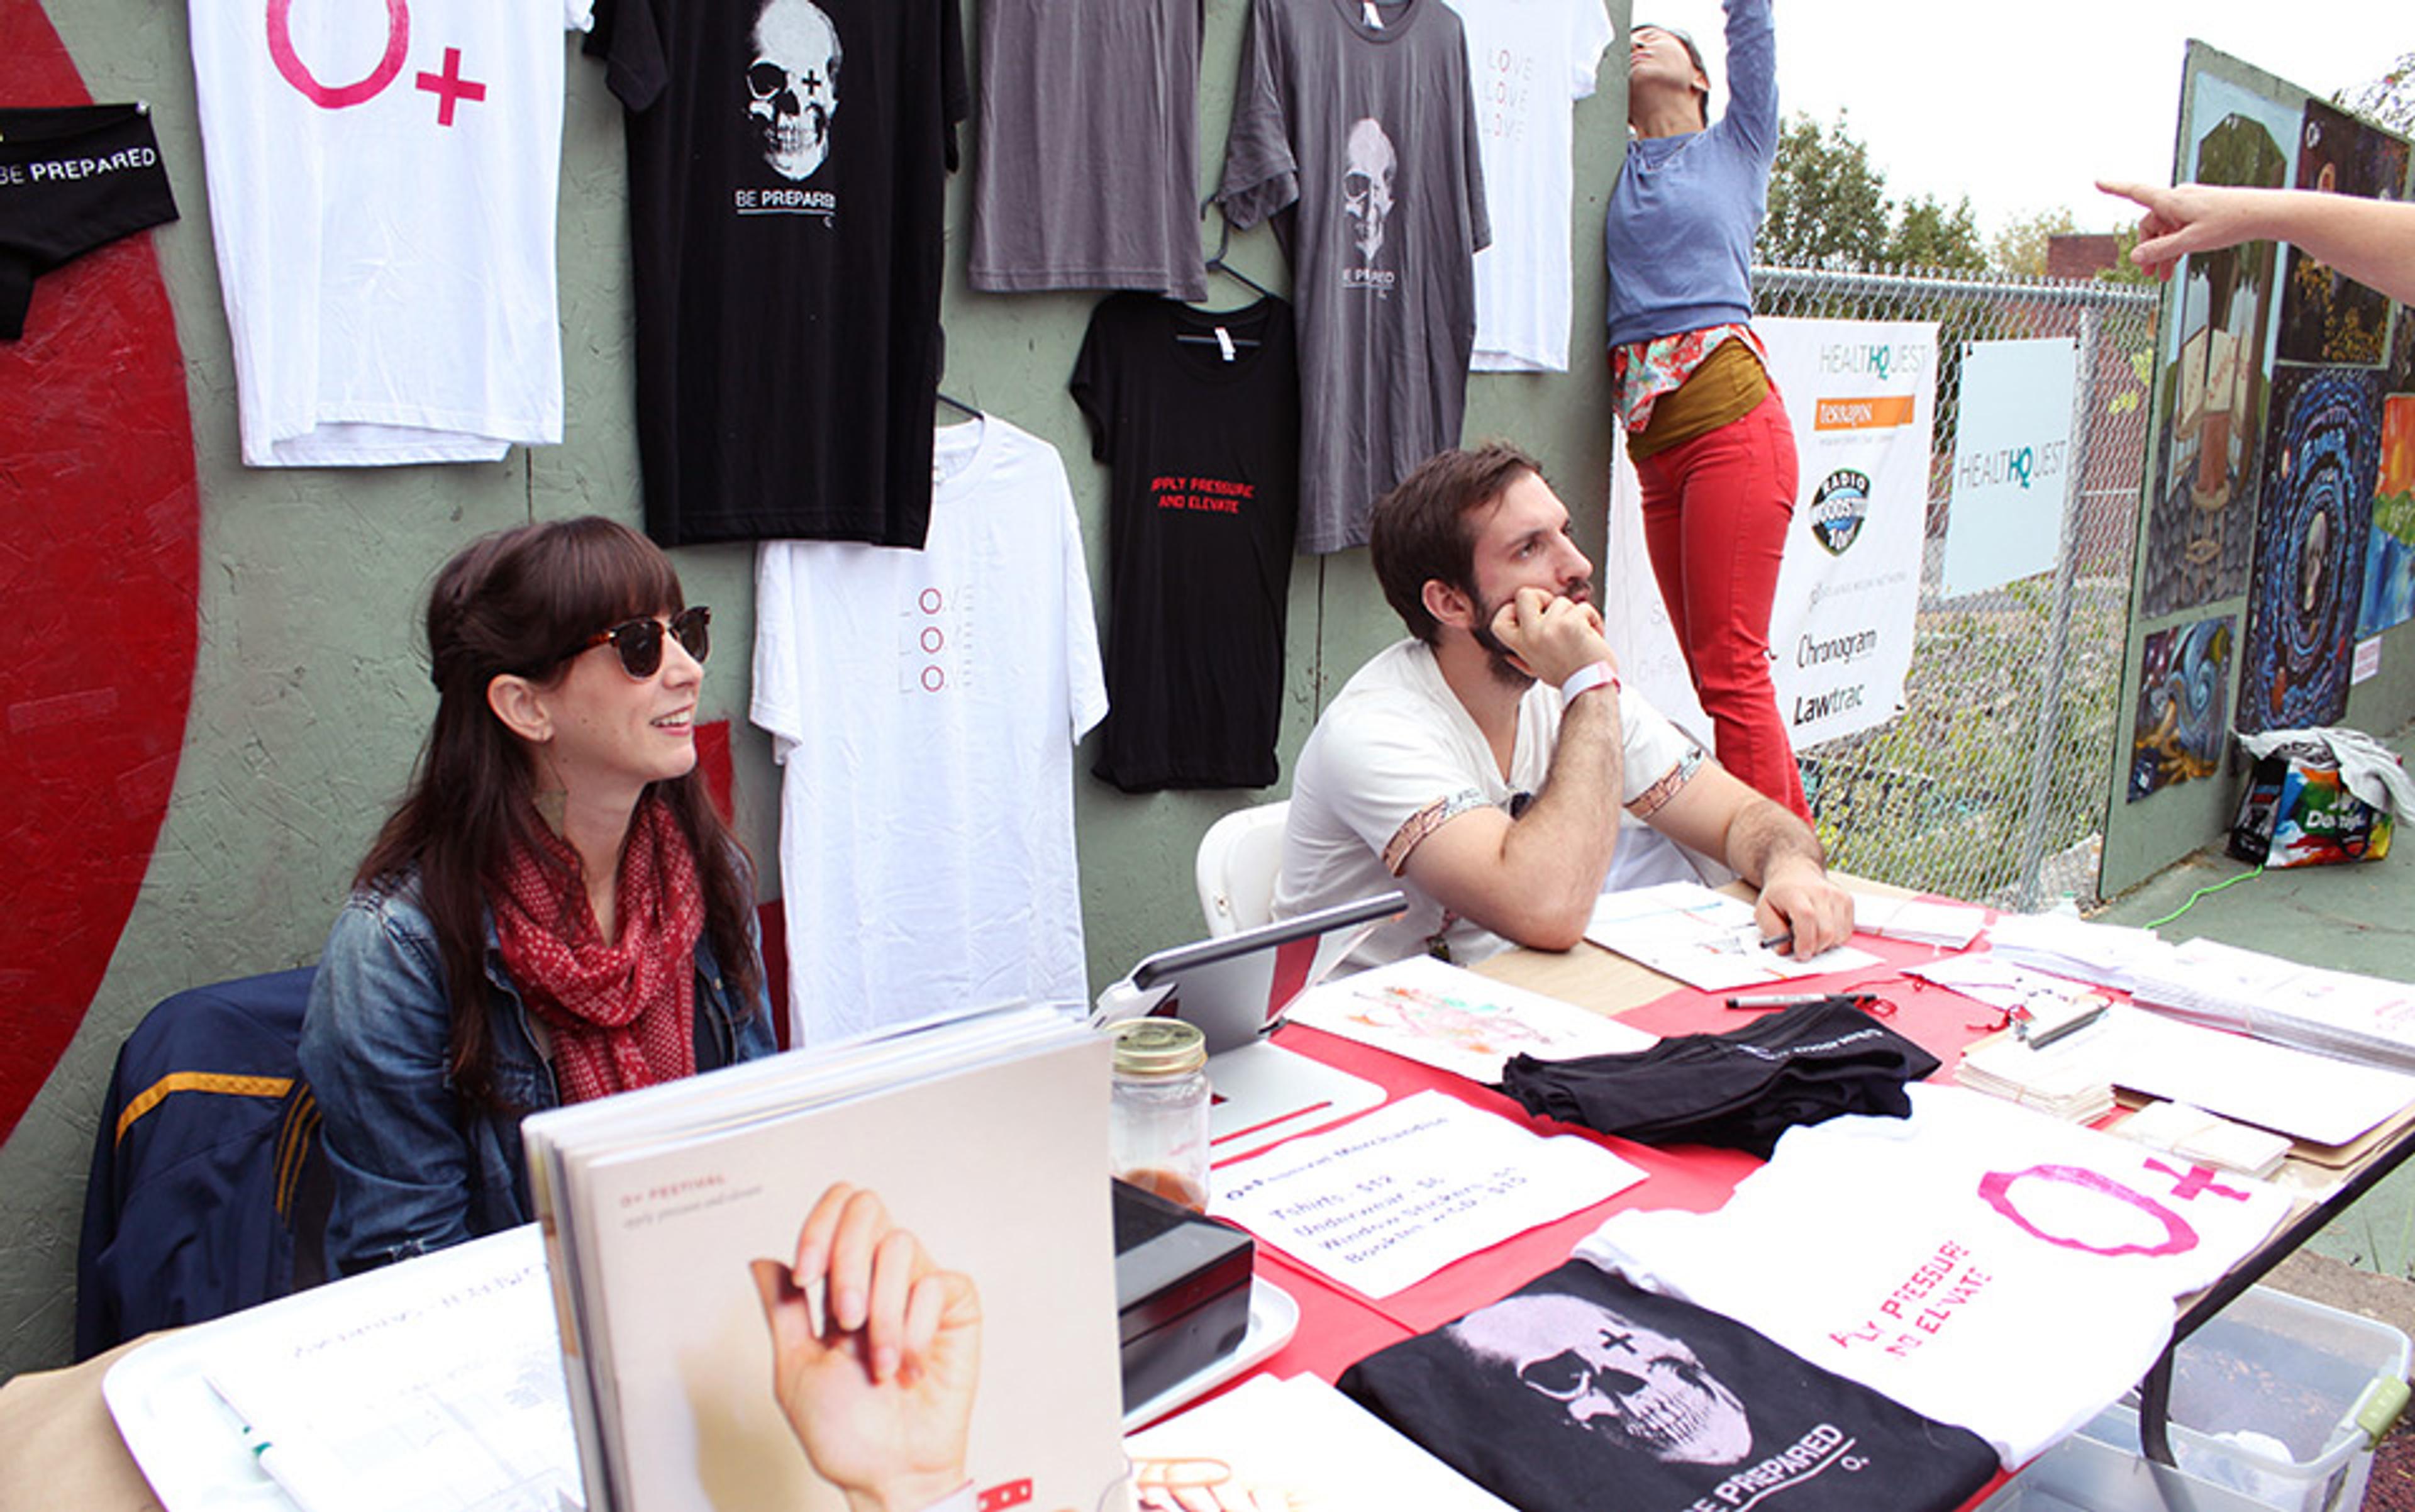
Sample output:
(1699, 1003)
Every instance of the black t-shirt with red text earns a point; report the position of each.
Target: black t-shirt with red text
(1197, 414)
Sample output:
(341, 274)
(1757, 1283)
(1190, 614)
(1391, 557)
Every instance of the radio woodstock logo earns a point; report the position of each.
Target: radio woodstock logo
(1838, 508)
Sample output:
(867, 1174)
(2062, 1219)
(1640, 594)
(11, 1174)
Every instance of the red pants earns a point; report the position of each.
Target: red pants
(1715, 511)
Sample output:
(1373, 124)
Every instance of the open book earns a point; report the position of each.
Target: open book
(706, 1374)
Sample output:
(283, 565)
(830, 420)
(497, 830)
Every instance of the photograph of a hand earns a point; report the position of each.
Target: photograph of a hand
(875, 1373)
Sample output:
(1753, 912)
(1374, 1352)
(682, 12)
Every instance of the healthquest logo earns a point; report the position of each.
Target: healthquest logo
(1881, 360)
(1838, 508)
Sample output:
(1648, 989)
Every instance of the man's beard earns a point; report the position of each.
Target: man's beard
(1502, 662)
(1502, 666)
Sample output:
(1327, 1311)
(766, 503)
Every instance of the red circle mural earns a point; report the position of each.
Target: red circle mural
(100, 564)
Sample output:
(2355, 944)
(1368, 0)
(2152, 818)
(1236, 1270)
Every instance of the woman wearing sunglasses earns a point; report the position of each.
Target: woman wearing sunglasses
(553, 913)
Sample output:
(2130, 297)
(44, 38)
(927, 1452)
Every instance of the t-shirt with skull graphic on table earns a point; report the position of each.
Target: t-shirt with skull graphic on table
(786, 165)
(1580, 1391)
(1089, 147)
(1354, 129)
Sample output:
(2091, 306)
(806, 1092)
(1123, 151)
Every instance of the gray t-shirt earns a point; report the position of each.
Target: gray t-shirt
(1089, 150)
(1361, 142)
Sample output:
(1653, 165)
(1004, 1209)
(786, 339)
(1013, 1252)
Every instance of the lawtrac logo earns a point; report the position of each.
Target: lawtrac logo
(1838, 508)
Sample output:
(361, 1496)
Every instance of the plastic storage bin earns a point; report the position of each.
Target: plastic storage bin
(2315, 1386)
(2088, 1474)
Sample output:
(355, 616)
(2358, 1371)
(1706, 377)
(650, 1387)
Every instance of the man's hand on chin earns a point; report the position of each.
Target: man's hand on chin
(1798, 899)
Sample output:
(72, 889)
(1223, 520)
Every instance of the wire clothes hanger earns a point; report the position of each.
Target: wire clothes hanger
(1216, 264)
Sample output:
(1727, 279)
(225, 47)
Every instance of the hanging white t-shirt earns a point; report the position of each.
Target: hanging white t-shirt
(1530, 61)
(1979, 1262)
(925, 705)
(382, 182)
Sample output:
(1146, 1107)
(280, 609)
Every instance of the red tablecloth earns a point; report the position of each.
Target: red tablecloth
(1339, 1326)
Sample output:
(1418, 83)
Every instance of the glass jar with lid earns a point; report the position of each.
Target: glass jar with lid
(1159, 1125)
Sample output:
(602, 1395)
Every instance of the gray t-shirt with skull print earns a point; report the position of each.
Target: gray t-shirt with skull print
(1355, 130)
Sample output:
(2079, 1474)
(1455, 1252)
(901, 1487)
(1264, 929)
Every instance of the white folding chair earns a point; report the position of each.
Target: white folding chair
(1238, 857)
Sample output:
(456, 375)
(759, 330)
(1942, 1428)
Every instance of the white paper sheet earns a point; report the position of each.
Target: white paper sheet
(1451, 1018)
(1290, 1443)
(439, 1390)
(1951, 924)
(1389, 1198)
(1706, 939)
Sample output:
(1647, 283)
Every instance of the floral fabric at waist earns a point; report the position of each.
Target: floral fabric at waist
(1642, 372)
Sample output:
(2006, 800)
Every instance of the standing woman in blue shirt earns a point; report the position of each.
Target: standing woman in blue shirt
(553, 913)
(1705, 426)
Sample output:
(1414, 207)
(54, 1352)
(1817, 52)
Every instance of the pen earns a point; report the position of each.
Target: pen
(1775, 941)
(1775, 999)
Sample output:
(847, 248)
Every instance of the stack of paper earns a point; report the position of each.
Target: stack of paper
(1953, 925)
(2106, 954)
(1705, 940)
(2195, 1135)
(2065, 1079)
(1291, 1443)
(2336, 1012)
(674, 1218)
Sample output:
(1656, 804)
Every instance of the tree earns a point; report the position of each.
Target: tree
(1828, 208)
(1929, 236)
(2387, 101)
(2020, 248)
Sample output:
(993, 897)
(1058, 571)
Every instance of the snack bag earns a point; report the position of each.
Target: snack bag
(2299, 811)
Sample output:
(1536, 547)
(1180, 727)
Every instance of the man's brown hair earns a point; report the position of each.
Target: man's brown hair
(1420, 530)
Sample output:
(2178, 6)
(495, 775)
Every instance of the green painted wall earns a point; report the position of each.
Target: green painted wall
(309, 696)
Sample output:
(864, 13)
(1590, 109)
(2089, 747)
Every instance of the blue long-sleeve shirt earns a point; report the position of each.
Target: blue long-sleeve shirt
(1684, 210)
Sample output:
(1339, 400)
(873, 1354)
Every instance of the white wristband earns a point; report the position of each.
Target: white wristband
(1585, 678)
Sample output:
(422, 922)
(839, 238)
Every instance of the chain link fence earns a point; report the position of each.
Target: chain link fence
(1991, 785)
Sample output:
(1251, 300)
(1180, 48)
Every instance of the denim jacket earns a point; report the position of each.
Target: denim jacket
(415, 1169)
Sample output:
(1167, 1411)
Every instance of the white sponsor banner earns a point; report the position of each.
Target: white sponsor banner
(2012, 462)
(1861, 396)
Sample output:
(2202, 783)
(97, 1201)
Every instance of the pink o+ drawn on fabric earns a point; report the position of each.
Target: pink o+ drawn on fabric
(1995, 1190)
(297, 73)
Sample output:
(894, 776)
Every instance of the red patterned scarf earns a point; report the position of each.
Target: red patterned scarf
(622, 1013)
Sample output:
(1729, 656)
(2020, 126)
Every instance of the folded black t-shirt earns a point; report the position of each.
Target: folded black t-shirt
(1738, 1090)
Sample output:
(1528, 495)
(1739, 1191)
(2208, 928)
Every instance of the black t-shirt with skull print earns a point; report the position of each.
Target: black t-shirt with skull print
(1580, 1391)
(787, 164)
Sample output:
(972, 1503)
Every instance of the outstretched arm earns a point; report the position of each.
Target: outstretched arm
(2372, 241)
(1718, 814)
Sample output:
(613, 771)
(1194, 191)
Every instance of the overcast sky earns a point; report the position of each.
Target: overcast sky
(2023, 105)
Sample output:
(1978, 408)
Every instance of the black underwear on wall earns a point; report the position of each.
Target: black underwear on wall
(73, 178)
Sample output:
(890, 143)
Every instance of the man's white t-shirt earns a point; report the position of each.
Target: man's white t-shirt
(383, 183)
(1529, 61)
(1979, 1262)
(925, 705)
(1397, 756)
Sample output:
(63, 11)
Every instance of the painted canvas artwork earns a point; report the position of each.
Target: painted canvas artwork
(2184, 705)
(2215, 356)
(2321, 461)
(2326, 316)
(2390, 559)
(2402, 351)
